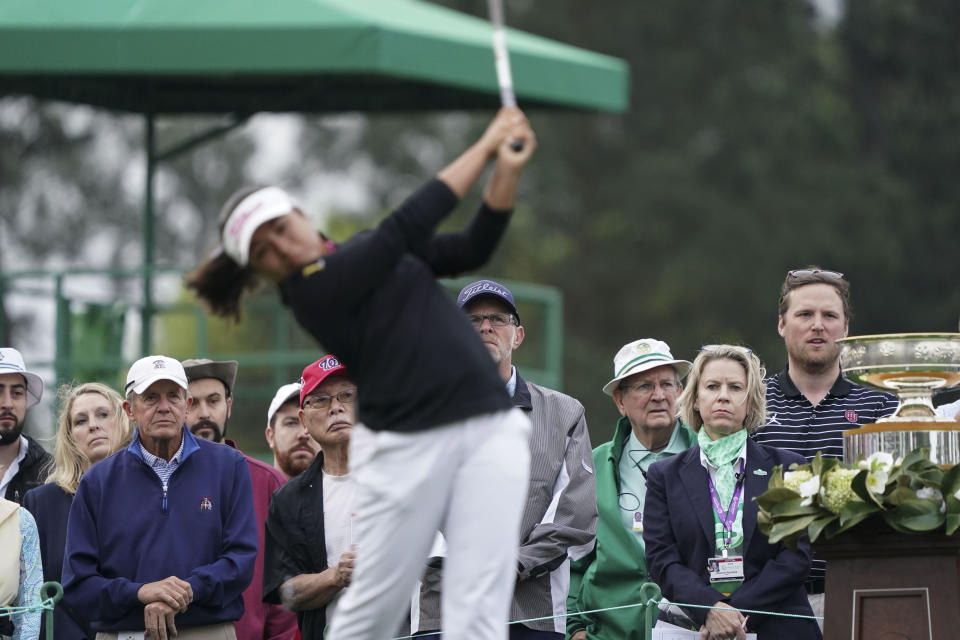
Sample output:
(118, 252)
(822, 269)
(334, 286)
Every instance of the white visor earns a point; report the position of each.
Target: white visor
(259, 207)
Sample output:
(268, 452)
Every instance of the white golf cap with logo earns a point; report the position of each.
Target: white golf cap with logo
(11, 361)
(145, 371)
(643, 355)
(284, 394)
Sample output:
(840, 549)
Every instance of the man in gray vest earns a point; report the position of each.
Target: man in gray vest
(560, 516)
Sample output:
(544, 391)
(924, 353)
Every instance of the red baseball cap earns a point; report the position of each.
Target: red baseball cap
(317, 372)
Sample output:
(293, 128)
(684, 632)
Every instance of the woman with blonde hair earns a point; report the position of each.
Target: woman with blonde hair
(91, 425)
(700, 521)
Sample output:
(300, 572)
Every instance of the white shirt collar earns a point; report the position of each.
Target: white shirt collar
(512, 382)
(14, 467)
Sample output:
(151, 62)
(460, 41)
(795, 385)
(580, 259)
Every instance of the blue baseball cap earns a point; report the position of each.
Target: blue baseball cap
(487, 288)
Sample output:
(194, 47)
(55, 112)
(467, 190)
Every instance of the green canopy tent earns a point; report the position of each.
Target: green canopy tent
(183, 56)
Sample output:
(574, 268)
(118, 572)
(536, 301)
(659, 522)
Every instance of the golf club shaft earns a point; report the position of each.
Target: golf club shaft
(501, 58)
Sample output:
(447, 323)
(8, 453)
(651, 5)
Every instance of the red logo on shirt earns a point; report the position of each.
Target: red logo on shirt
(851, 416)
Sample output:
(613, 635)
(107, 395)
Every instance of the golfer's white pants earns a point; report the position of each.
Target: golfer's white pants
(467, 479)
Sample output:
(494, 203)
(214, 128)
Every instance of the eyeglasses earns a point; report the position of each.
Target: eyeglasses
(646, 388)
(496, 319)
(347, 396)
(735, 347)
(803, 273)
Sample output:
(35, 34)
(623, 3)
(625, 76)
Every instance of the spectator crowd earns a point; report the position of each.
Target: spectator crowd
(159, 526)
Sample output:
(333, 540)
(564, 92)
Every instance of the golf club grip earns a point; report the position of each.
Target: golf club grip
(517, 145)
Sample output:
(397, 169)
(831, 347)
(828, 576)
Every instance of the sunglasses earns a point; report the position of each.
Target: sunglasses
(717, 347)
(804, 273)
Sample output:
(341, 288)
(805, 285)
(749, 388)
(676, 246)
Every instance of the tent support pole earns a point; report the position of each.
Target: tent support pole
(146, 331)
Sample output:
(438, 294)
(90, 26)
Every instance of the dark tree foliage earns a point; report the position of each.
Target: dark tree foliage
(759, 139)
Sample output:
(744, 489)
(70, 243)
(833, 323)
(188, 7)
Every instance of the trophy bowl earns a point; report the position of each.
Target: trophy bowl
(913, 366)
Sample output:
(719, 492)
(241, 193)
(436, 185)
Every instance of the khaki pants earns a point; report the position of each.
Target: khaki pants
(222, 631)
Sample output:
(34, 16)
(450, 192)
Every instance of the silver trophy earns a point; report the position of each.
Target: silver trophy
(913, 366)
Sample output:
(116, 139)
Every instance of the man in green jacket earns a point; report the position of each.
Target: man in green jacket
(645, 386)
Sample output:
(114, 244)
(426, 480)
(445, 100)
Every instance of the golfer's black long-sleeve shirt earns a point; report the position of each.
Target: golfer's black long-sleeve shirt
(376, 305)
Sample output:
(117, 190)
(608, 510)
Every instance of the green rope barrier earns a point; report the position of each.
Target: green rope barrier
(765, 613)
(651, 607)
(54, 592)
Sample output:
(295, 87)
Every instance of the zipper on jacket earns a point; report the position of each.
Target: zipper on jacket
(163, 505)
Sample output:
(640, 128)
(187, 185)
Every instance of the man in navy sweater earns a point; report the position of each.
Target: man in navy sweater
(162, 536)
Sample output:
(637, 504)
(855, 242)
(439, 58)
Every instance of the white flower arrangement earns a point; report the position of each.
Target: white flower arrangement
(827, 497)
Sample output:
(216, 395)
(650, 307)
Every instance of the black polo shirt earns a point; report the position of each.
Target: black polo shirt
(294, 541)
(793, 423)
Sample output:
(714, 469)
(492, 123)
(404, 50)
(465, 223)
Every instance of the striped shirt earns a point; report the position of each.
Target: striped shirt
(161, 467)
(793, 423)
(796, 425)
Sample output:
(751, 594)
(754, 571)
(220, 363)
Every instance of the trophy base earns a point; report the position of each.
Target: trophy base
(900, 436)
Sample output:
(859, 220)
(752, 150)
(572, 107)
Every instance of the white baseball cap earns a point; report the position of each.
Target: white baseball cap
(260, 206)
(145, 371)
(643, 355)
(11, 361)
(284, 394)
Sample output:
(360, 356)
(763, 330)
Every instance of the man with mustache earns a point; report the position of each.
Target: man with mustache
(810, 404)
(23, 461)
(293, 447)
(309, 533)
(211, 385)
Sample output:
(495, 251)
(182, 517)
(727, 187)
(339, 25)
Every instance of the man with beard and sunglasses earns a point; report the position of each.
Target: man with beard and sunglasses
(810, 404)
(211, 385)
(23, 462)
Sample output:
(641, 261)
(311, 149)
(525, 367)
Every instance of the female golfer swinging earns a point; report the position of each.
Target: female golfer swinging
(441, 447)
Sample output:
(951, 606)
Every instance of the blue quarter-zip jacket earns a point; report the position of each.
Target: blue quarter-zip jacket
(125, 531)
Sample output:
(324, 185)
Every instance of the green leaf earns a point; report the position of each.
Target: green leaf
(854, 512)
(923, 473)
(772, 497)
(859, 486)
(783, 530)
(899, 495)
(918, 455)
(792, 508)
(776, 477)
(827, 466)
(915, 515)
(952, 516)
(950, 482)
(817, 526)
(817, 464)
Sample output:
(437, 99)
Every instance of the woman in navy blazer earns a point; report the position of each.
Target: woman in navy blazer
(723, 401)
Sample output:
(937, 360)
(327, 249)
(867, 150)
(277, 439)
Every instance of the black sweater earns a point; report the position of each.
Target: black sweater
(376, 305)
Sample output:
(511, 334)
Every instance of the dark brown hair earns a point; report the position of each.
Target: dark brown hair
(815, 275)
(220, 282)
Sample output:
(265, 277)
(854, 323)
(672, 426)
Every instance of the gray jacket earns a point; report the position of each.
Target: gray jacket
(560, 513)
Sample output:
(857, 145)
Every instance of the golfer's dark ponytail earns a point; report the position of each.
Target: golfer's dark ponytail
(220, 282)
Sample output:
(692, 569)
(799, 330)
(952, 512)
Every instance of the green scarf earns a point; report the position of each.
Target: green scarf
(721, 453)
